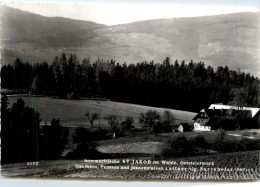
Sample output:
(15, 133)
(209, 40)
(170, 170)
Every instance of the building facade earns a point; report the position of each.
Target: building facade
(203, 120)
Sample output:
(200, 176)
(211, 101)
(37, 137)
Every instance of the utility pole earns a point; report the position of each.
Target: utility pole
(99, 117)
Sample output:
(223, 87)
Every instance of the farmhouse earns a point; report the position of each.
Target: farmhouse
(217, 112)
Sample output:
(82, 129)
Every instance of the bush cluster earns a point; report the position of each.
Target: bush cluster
(85, 143)
(156, 122)
(180, 146)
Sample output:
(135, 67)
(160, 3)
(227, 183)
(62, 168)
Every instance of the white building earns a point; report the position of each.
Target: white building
(203, 117)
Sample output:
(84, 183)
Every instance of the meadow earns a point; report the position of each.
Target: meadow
(72, 112)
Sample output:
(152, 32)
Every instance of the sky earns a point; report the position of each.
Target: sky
(120, 12)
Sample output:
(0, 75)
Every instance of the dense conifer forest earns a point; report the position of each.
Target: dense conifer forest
(181, 85)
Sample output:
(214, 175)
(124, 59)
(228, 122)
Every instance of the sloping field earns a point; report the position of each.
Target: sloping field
(242, 166)
(72, 112)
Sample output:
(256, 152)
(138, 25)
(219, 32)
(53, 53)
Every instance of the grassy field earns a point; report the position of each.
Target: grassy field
(72, 112)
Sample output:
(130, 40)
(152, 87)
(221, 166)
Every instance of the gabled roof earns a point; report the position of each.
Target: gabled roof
(216, 112)
(199, 114)
(254, 111)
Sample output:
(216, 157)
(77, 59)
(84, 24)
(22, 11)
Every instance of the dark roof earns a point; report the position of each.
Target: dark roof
(199, 115)
(185, 126)
(254, 111)
(222, 112)
(216, 112)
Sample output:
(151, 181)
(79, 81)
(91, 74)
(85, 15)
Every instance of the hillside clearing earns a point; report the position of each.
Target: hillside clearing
(72, 112)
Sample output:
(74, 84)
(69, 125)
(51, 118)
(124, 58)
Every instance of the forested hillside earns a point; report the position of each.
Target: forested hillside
(182, 85)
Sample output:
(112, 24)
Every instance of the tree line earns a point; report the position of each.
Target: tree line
(186, 86)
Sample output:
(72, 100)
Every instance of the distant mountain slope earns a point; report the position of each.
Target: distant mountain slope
(19, 26)
(231, 39)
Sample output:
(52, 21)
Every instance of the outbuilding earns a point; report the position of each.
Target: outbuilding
(183, 127)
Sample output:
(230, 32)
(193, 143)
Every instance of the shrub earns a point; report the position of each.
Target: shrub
(201, 142)
(158, 127)
(230, 146)
(99, 134)
(91, 117)
(85, 146)
(150, 119)
(218, 145)
(239, 145)
(220, 122)
(166, 128)
(54, 139)
(128, 123)
(180, 146)
(249, 145)
(168, 118)
(224, 145)
(113, 121)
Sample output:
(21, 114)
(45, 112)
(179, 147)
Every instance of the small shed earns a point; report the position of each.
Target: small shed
(183, 127)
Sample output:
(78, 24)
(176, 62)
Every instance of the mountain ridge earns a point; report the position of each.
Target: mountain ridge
(228, 39)
(14, 18)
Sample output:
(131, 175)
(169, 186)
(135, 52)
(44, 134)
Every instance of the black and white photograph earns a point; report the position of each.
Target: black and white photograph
(130, 91)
